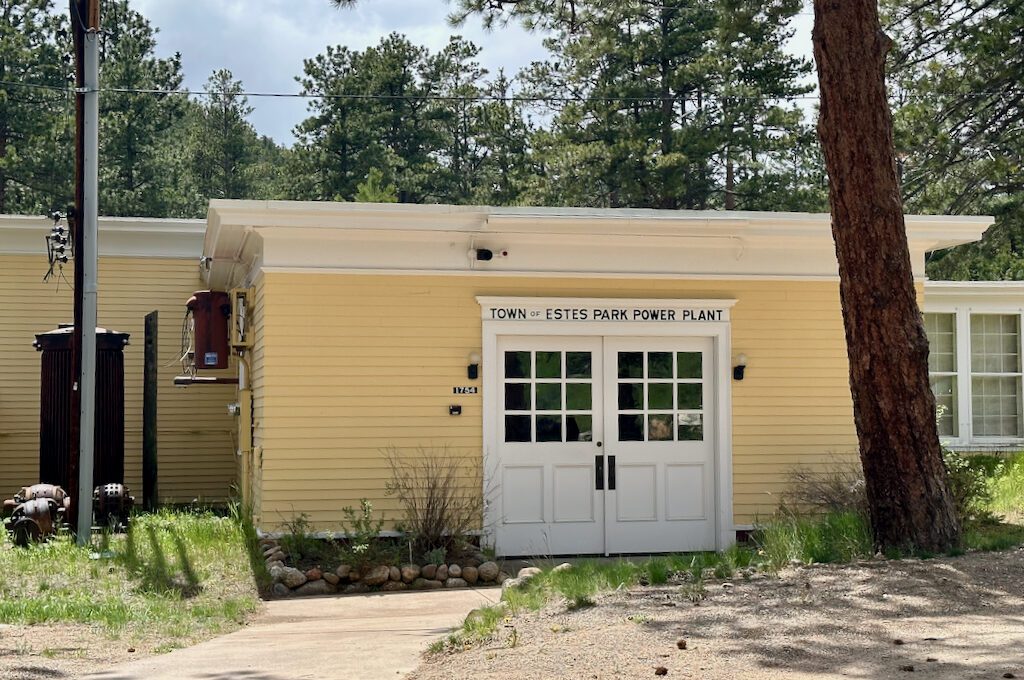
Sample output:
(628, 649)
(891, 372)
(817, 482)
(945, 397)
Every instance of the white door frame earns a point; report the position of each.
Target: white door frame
(554, 317)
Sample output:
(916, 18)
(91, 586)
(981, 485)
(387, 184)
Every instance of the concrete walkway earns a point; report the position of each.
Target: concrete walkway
(357, 637)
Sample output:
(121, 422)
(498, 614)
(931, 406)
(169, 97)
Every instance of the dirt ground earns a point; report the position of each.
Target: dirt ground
(949, 618)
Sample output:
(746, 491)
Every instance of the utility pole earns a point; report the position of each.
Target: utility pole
(85, 23)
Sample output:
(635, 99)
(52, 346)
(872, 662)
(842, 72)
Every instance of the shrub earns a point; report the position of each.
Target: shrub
(969, 487)
(440, 495)
(365, 547)
(838, 488)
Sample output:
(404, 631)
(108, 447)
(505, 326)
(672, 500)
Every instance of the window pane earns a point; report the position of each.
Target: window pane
(690, 396)
(995, 343)
(631, 428)
(659, 395)
(689, 364)
(577, 364)
(577, 396)
(549, 428)
(941, 329)
(659, 365)
(691, 427)
(996, 406)
(517, 396)
(517, 428)
(549, 397)
(659, 427)
(944, 388)
(631, 364)
(579, 428)
(517, 364)
(549, 364)
(631, 396)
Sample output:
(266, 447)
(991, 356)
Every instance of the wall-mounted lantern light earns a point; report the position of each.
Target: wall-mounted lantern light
(740, 367)
(473, 370)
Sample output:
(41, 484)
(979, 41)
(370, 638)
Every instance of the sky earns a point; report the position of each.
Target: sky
(264, 43)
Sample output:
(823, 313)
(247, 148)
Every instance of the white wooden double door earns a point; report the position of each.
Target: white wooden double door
(605, 445)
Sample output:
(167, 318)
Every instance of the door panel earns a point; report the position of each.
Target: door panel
(549, 429)
(661, 434)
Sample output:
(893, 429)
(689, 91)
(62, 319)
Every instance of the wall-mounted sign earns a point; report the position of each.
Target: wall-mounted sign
(620, 311)
(465, 390)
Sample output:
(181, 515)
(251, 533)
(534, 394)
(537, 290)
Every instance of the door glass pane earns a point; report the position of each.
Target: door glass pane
(517, 396)
(577, 396)
(689, 364)
(579, 428)
(577, 365)
(517, 428)
(549, 396)
(659, 365)
(631, 428)
(549, 364)
(659, 427)
(549, 428)
(631, 396)
(690, 396)
(659, 395)
(944, 388)
(631, 364)
(691, 427)
(517, 364)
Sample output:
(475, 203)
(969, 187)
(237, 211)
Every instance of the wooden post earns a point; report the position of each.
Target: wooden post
(149, 414)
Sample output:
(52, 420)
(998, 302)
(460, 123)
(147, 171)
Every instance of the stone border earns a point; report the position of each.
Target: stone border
(288, 581)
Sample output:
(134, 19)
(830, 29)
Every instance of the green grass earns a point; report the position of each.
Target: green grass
(1007, 487)
(834, 537)
(174, 575)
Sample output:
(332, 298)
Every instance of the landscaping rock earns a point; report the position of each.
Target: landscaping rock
(278, 555)
(455, 583)
(502, 577)
(527, 573)
(410, 572)
(274, 563)
(454, 571)
(488, 571)
(343, 571)
(470, 575)
(426, 584)
(442, 573)
(281, 590)
(428, 571)
(266, 542)
(395, 574)
(471, 562)
(317, 587)
(354, 575)
(480, 558)
(393, 585)
(354, 588)
(377, 576)
(512, 584)
(314, 574)
(270, 550)
(564, 566)
(290, 576)
(332, 578)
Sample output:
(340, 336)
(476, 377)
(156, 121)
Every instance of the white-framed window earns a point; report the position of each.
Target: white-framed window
(995, 375)
(942, 373)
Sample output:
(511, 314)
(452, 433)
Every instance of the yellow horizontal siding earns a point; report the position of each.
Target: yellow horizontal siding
(353, 364)
(196, 435)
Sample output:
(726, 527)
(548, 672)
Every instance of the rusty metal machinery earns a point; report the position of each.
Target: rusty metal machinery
(112, 505)
(36, 512)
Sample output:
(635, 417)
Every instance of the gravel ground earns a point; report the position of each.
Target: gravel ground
(949, 618)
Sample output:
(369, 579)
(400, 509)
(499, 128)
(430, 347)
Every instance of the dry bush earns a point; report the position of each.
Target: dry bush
(837, 488)
(441, 496)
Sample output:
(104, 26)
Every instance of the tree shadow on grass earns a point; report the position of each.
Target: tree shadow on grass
(154, 571)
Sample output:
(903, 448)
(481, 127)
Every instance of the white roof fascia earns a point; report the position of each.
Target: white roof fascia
(118, 236)
(575, 241)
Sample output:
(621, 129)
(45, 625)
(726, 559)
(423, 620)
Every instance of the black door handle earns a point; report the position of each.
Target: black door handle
(599, 473)
(611, 473)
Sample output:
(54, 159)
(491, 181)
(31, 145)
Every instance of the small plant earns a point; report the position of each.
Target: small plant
(839, 487)
(364, 547)
(969, 487)
(440, 496)
(299, 542)
(435, 556)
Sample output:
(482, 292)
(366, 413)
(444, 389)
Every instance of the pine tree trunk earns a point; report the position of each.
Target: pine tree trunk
(894, 409)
